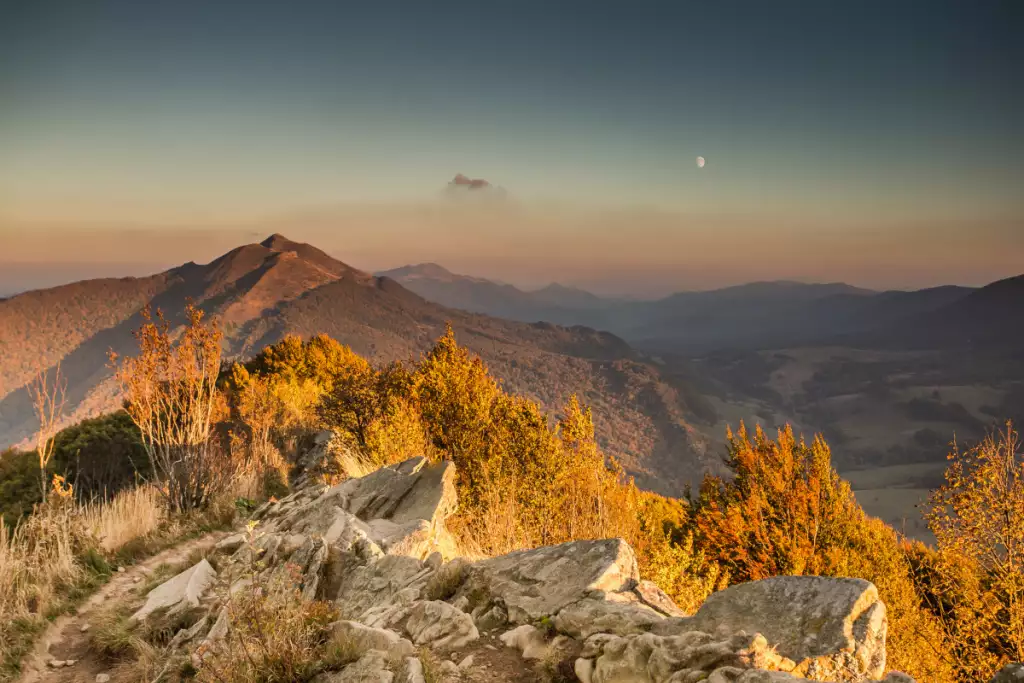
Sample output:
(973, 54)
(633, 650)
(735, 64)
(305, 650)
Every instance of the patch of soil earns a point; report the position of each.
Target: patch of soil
(494, 662)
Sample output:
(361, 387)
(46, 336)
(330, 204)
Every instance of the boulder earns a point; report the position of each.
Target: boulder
(530, 641)
(369, 591)
(620, 614)
(230, 544)
(364, 638)
(832, 628)
(649, 658)
(409, 491)
(1011, 673)
(437, 625)
(412, 672)
(401, 509)
(533, 584)
(180, 593)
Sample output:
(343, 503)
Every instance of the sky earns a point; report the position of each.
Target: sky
(878, 143)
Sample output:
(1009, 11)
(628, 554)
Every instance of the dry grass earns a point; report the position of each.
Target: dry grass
(274, 636)
(447, 580)
(62, 552)
(39, 563)
(130, 515)
(350, 464)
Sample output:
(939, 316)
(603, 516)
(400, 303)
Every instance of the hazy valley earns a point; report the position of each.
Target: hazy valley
(890, 378)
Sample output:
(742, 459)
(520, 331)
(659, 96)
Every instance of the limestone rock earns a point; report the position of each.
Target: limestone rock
(1011, 673)
(218, 631)
(529, 640)
(369, 591)
(649, 594)
(412, 672)
(438, 625)
(620, 614)
(833, 628)
(406, 492)
(537, 583)
(401, 509)
(584, 669)
(179, 593)
(364, 638)
(230, 544)
(370, 668)
(187, 635)
(692, 655)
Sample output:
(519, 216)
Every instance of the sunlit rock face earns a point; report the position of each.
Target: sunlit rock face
(377, 548)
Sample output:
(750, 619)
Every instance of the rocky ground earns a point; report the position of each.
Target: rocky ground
(412, 611)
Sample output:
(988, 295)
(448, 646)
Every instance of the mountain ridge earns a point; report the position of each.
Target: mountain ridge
(267, 290)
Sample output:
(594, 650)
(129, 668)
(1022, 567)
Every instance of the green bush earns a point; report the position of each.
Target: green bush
(19, 484)
(100, 456)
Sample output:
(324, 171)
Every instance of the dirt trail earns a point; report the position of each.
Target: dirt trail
(65, 640)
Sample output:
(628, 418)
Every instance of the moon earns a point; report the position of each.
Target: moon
(700, 162)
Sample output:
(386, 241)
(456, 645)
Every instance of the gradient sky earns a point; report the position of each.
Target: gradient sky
(838, 136)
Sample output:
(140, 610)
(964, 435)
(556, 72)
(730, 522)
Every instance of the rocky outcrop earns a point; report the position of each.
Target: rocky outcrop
(829, 627)
(178, 595)
(1011, 673)
(533, 584)
(376, 546)
(399, 509)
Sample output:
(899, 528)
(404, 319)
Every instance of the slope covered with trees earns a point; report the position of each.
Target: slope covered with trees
(264, 292)
(528, 478)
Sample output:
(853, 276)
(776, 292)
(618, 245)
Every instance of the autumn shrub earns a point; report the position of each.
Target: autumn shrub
(975, 580)
(668, 556)
(785, 510)
(171, 395)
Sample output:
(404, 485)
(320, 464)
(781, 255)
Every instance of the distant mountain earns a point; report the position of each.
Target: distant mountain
(571, 298)
(554, 303)
(753, 316)
(261, 292)
(781, 315)
(990, 318)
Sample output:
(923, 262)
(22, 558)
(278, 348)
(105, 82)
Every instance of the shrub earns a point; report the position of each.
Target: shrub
(19, 484)
(786, 511)
(101, 456)
(975, 581)
(170, 392)
(274, 636)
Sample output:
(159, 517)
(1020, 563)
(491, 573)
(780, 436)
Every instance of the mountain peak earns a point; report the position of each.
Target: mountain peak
(278, 242)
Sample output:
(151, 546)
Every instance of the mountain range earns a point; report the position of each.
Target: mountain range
(262, 292)
(753, 316)
(890, 378)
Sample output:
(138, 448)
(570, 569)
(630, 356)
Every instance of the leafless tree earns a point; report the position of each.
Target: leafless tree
(48, 399)
(171, 394)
